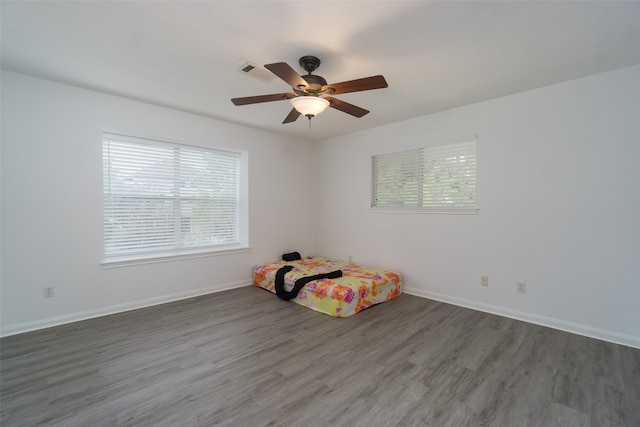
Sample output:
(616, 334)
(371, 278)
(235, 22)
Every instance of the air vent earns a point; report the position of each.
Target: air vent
(255, 71)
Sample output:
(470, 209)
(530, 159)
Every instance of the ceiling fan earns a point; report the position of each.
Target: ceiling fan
(311, 93)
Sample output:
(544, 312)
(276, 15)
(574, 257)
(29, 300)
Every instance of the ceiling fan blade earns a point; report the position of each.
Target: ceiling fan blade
(262, 98)
(346, 107)
(292, 117)
(288, 74)
(366, 83)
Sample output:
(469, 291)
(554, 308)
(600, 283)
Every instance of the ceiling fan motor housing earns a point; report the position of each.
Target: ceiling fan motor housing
(315, 83)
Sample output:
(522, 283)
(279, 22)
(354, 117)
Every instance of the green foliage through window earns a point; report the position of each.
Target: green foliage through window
(166, 197)
(426, 177)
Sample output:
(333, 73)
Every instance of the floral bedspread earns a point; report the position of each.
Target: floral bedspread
(358, 288)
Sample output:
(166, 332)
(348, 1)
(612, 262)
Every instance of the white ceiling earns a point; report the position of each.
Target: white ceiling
(435, 55)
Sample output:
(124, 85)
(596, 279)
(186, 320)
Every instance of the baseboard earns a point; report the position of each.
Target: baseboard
(575, 328)
(105, 311)
(601, 334)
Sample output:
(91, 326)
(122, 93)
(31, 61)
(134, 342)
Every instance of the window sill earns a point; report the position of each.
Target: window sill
(124, 261)
(441, 211)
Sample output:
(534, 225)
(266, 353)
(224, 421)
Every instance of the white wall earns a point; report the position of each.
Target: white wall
(52, 203)
(559, 192)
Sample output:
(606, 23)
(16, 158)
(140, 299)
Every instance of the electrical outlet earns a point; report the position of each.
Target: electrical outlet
(522, 287)
(484, 280)
(48, 291)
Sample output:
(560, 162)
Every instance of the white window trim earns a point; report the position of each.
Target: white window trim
(426, 210)
(444, 211)
(124, 261)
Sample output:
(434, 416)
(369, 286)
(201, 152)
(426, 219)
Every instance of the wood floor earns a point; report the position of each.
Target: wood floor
(245, 358)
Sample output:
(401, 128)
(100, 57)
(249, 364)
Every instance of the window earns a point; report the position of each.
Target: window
(164, 198)
(426, 179)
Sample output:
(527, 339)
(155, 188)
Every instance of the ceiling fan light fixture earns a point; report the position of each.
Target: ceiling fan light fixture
(309, 106)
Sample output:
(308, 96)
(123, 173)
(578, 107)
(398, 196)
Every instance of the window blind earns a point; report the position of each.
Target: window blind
(161, 197)
(437, 177)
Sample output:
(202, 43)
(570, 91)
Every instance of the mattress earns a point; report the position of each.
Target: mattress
(359, 287)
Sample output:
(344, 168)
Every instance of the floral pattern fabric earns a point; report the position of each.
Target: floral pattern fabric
(358, 288)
